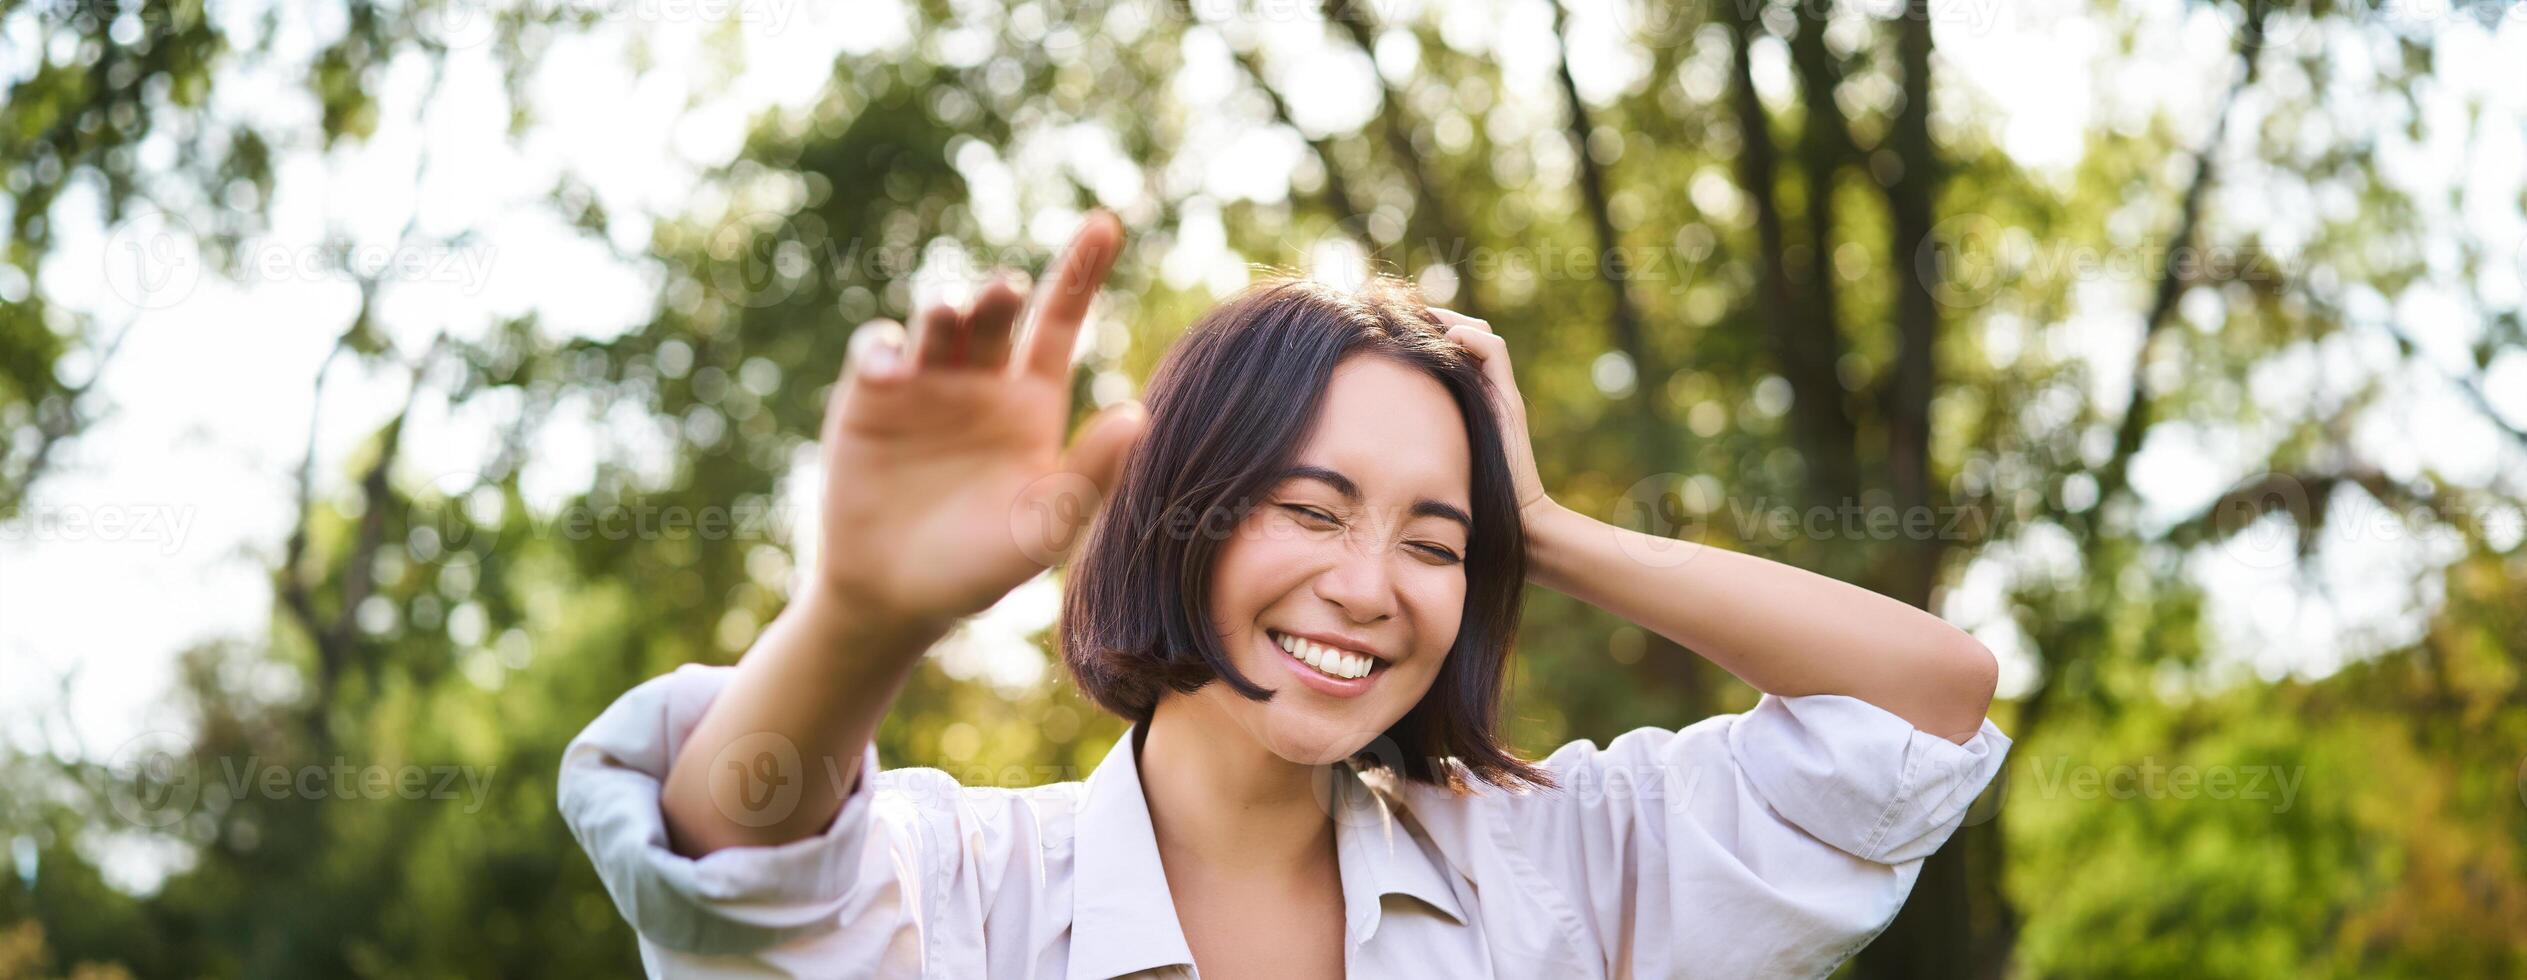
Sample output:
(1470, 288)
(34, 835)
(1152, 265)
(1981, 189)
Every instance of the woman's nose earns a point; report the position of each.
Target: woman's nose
(1361, 584)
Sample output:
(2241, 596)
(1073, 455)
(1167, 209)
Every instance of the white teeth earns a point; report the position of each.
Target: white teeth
(1332, 662)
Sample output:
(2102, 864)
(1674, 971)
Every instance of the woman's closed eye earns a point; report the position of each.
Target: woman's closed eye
(1438, 553)
(1315, 519)
(1312, 518)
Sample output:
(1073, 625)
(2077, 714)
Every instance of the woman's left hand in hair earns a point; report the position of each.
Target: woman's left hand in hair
(1782, 630)
(1477, 337)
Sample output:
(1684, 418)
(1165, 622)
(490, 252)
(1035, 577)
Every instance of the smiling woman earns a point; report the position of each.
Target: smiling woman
(1303, 595)
(1372, 547)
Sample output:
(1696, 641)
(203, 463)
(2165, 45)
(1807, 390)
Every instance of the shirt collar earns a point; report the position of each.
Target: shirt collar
(1381, 855)
(1123, 918)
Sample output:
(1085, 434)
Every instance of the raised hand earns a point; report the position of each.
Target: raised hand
(1478, 339)
(946, 484)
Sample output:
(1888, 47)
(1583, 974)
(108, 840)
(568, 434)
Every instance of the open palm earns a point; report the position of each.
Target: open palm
(946, 483)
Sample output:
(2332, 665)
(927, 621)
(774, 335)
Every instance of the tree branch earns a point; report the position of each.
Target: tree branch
(2115, 477)
(334, 636)
(1804, 345)
(52, 432)
(1694, 679)
(1912, 199)
(1430, 210)
(2470, 386)
(1937, 932)
(1337, 189)
(1623, 319)
(2304, 496)
(296, 586)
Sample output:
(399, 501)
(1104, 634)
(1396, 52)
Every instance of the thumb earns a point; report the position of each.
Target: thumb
(1105, 442)
(1051, 516)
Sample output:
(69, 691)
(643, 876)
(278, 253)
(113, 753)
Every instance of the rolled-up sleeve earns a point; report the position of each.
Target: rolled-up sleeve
(735, 911)
(1777, 842)
(1865, 781)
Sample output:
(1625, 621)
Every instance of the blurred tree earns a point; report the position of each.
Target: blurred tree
(71, 123)
(1781, 270)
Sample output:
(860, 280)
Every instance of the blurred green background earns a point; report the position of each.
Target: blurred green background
(2173, 348)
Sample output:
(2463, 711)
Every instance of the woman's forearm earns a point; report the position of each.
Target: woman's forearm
(1784, 630)
(804, 704)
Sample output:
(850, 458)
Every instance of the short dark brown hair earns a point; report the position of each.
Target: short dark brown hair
(1229, 407)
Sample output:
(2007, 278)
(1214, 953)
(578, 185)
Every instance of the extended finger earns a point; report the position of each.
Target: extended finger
(1453, 318)
(1053, 513)
(1063, 302)
(1485, 345)
(1493, 353)
(993, 319)
(874, 359)
(938, 336)
(875, 351)
(1099, 451)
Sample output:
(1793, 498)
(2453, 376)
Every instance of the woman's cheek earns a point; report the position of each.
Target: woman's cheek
(1438, 601)
(1257, 548)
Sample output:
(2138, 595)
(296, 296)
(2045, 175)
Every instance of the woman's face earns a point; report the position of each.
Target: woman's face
(1355, 560)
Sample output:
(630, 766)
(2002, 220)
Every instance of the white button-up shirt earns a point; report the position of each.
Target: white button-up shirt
(1772, 843)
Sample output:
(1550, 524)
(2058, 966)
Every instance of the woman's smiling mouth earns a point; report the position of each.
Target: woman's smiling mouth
(1334, 670)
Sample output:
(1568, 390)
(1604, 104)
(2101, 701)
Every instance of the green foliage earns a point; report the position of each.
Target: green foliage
(445, 623)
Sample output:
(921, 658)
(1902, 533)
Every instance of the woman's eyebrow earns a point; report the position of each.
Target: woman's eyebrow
(1341, 484)
(1433, 508)
(1351, 492)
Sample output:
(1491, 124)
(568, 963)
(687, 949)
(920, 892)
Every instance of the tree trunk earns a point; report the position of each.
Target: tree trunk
(1934, 935)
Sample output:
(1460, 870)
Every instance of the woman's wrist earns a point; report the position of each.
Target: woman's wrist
(1555, 537)
(842, 622)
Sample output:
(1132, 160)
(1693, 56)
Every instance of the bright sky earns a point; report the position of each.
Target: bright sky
(209, 400)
